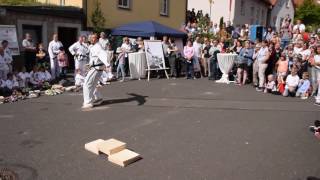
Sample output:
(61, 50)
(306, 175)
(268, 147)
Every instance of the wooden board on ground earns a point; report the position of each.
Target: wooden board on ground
(124, 157)
(111, 146)
(93, 146)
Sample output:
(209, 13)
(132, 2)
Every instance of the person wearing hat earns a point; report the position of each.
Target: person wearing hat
(98, 59)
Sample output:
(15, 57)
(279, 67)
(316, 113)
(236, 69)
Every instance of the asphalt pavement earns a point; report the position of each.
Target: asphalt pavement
(183, 129)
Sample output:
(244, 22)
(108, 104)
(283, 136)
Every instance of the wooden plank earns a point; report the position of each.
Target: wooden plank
(124, 157)
(111, 146)
(93, 146)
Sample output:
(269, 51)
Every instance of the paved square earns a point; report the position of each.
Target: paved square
(183, 129)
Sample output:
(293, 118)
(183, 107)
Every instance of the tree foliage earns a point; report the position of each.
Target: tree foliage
(19, 2)
(97, 18)
(309, 13)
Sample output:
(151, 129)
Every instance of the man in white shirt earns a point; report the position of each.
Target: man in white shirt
(103, 40)
(80, 51)
(53, 51)
(262, 57)
(98, 60)
(29, 52)
(292, 82)
(300, 26)
(197, 53)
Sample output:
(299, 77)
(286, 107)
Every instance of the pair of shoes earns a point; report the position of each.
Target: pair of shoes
(317, 123)
(313, 129)
(259, 89)
(87, 106)
(98, 101)
(303, 97)
(317, 103)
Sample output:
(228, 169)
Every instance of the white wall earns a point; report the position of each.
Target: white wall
(280, 11)
(220, 8)
(250, 12)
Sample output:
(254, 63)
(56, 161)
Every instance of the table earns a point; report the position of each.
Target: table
(226, 62)
(137, 65)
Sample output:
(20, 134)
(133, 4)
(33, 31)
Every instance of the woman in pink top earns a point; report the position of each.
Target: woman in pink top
(188, 54)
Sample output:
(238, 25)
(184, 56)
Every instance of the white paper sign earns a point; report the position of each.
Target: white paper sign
(154, 54)
(9, 33)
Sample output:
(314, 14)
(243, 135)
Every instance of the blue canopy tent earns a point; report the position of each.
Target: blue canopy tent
(146, 29)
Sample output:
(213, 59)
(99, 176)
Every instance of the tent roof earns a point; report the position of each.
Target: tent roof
(146, 29)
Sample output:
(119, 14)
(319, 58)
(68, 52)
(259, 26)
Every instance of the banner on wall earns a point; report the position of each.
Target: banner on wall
(9, 33)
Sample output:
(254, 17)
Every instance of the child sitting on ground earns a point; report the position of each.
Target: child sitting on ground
(23, 78)
(303, 86)
(270, 85)
(292, 82)
(78, 79)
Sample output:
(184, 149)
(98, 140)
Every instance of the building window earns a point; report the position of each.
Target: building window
(288, 4)
(242, 8)
(262, 17)
(252, 11)
(124, 4)
(62, 2)
(258, 15)
(164, 7)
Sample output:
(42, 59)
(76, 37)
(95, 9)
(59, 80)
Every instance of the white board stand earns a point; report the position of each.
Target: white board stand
(155, 57)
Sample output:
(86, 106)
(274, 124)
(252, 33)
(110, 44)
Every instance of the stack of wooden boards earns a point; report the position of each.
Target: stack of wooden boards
(115, 149)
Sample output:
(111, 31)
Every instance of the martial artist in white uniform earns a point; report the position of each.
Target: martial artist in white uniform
(98, 60)
(53, 51)
(80, 51)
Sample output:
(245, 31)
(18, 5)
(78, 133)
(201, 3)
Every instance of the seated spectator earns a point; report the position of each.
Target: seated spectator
(78, 79)
(23, 78)
(303, 86)
(270, 86)
(292, 83)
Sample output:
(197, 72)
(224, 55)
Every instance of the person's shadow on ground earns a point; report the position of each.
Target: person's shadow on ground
(135, 97)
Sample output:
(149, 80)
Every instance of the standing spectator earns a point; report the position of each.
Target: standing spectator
(213, 66)
(286, 33)
(316, 64)
(206, 57)
(262, 57)
(172, 51)
(103, 40)
(299, 26)
(80, 52)
(296, 36)
(53, 51)
(197, 55)
(229, 28)
(165, 46)
(4, 68)
(127, 48)
(8, 54)
(29, 52)
(42, 56)
(63, 63)
(268, 34)
(245, 55)
(189, 52)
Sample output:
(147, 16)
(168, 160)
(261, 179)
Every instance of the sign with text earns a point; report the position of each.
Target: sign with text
(9, 33)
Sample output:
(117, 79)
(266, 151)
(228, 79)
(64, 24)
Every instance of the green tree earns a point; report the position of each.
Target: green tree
(97, 18)
(19, 2)
(309, 13)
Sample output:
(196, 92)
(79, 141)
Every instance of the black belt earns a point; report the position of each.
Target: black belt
(97, 65)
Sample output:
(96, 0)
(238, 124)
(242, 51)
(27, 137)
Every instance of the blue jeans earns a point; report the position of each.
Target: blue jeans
(284, 43)
(121, 67)
(189, 66)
